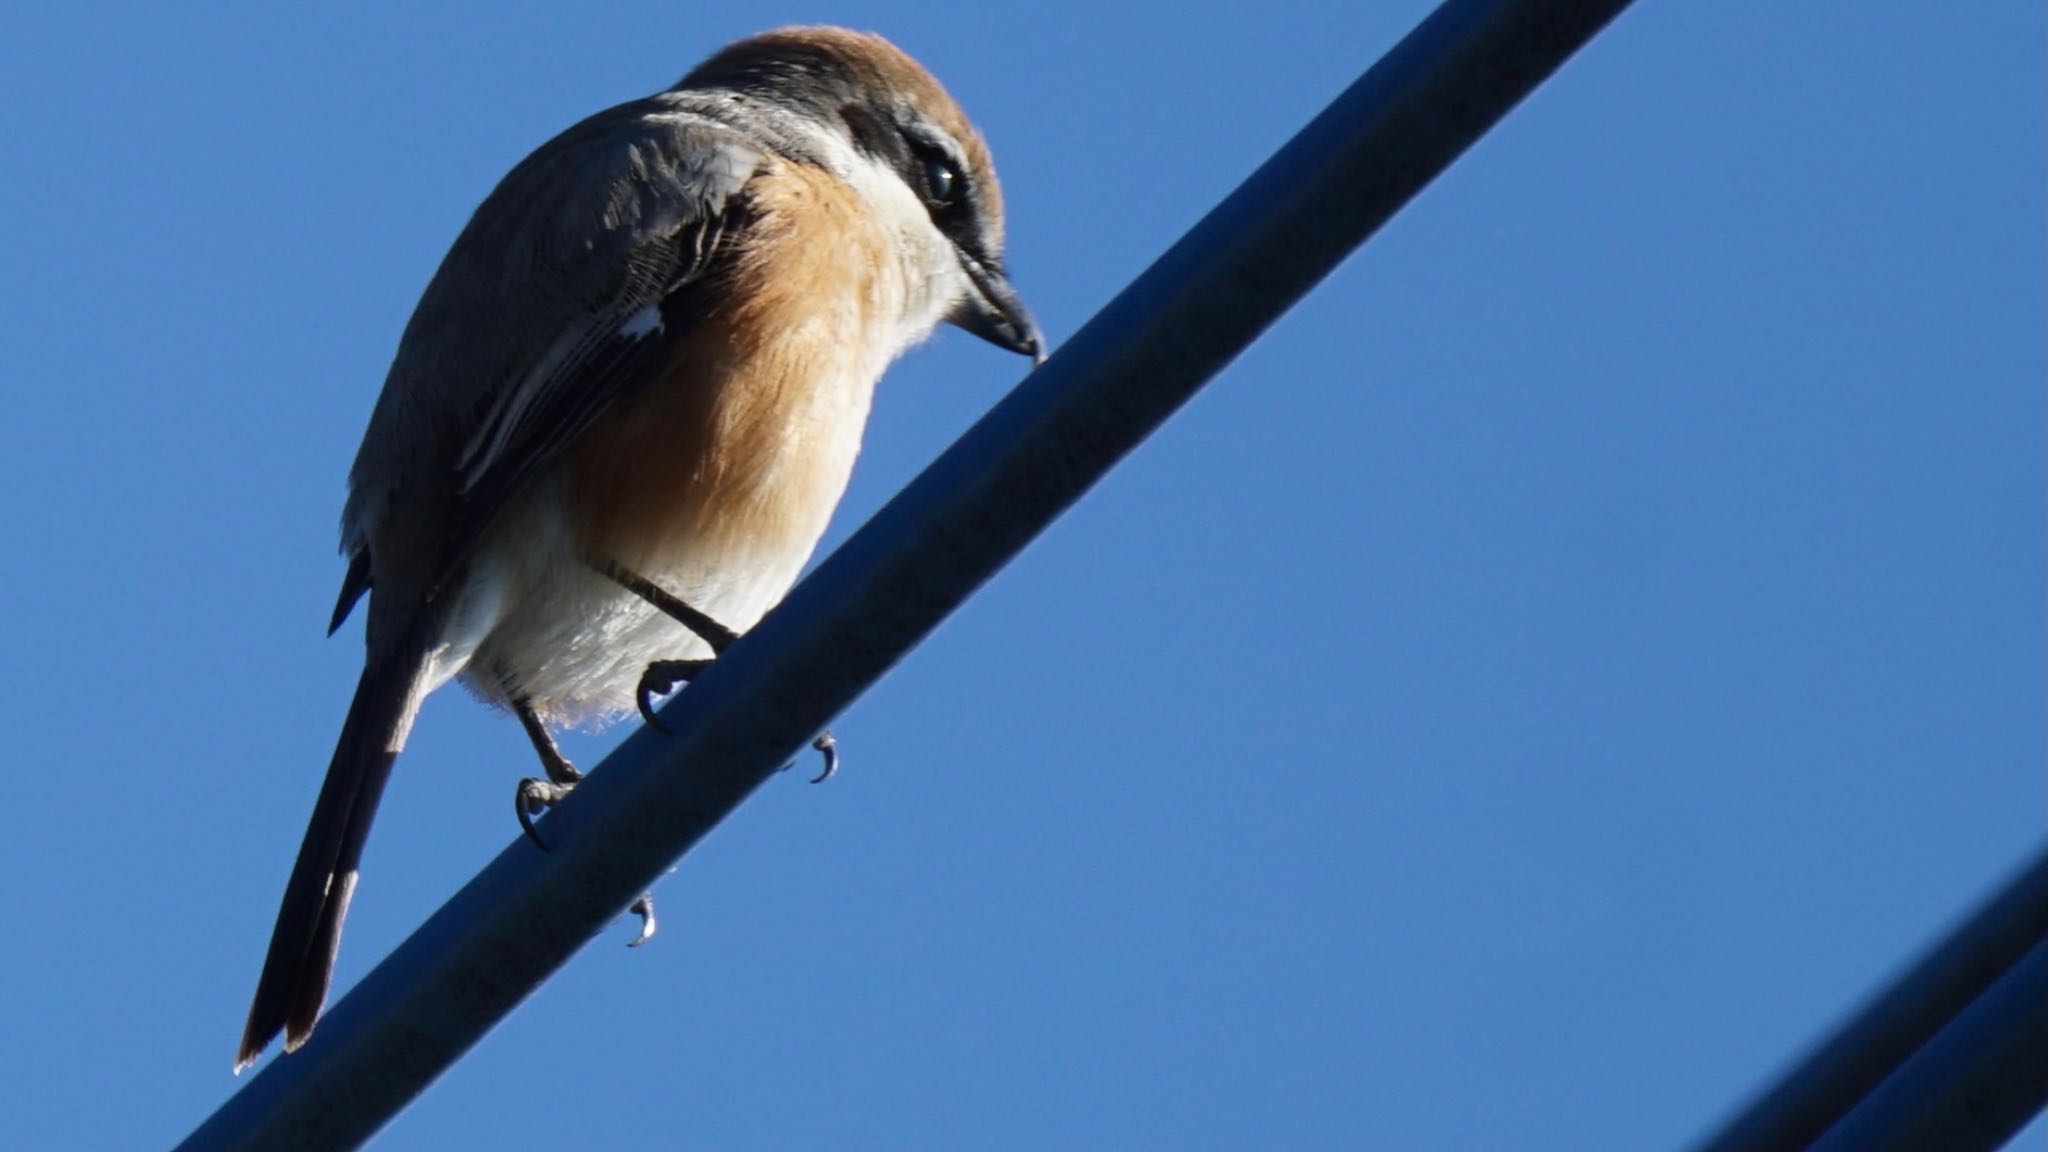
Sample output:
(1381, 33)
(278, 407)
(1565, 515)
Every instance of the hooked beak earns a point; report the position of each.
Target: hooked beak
(993, 312)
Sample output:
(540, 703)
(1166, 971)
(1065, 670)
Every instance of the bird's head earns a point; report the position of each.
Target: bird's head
(905, 144)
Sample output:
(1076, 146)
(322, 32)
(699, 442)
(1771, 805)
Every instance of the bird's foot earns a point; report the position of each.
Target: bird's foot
(828, 746)
(536, 796)
(660, 679)
(644, 909)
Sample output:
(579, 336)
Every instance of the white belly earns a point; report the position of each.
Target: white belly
(534, 619)
(575, 643)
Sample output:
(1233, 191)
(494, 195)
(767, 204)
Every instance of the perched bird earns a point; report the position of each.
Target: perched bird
(627, 405)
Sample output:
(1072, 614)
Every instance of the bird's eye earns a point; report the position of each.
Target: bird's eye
(941, 182)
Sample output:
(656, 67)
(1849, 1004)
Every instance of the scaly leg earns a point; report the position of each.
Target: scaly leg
(662, 676)
(536, 796)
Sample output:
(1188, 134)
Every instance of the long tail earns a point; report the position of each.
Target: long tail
(300, 963)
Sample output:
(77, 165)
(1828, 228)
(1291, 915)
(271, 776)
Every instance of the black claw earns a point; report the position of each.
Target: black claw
(645, 698)
(827, 745)
(644, 909)
(533, 797)
(519, 808)
(660, 679)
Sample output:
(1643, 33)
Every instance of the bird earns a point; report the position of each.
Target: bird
(625, 408)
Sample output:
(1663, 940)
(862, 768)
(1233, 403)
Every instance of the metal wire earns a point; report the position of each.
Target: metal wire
(1953, 1055)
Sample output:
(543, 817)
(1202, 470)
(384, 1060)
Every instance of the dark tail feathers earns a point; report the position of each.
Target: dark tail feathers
(300, 963)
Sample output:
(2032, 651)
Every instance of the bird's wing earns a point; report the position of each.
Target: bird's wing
(560, 299)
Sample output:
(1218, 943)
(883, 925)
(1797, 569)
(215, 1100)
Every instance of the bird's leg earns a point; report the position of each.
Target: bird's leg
(710, 631)
(663, 675)
(536, 796)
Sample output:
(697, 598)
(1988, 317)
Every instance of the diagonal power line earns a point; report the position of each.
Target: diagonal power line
(1953, 1055)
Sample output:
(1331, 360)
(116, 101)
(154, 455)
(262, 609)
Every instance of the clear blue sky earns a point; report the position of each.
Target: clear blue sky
(1571, 660)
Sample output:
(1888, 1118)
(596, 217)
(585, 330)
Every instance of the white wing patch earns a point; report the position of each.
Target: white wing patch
(645, 322)
(492, 435)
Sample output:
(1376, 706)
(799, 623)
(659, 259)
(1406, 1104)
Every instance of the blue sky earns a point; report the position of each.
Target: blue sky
(1566, 664)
